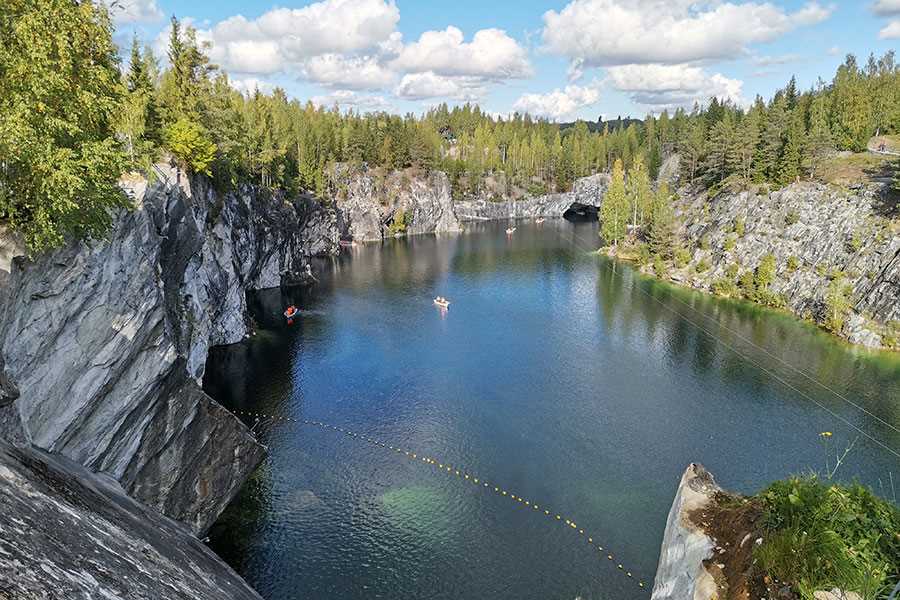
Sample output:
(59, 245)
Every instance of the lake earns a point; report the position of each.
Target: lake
(559, 376)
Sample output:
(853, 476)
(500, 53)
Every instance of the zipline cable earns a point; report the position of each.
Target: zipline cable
(755, 363)
(466, 476)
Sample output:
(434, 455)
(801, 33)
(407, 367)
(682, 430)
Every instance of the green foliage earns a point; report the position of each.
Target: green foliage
(702, 266)
(614, 210)
(60, 93)
(739, 227)
(659, 266)
(820, 536)
(855, 242)
(731, 270)
(724, 286)
(791, 218)
(399, 224)
(642, 252)
(765, 273)
(662, 223)
(682, 258)
(729, 243)
(792, 263)
(189, 144)
(837, 304)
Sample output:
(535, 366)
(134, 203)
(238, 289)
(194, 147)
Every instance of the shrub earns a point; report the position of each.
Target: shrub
(729, 243)
(819, 536)
(732, 270)
(724, 287)
(704, 243)
(792, 263)
(791, 218)
(188, 143)
(642, 253)
(837, 303)
(765, 272)
(702, 266)
(399, 224)
(739, 226)
(746, 282)
(659, 266)
(682, 258)
(855, 242)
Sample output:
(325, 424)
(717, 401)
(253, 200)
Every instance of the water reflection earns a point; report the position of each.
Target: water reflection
(571, 379)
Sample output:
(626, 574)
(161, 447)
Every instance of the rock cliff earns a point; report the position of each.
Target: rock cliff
(816, 233)
(72, 534)
(106, 342)
(586, 195)
(369, 201)
(681, 574)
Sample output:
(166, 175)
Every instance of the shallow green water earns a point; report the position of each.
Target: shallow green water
(560, 376)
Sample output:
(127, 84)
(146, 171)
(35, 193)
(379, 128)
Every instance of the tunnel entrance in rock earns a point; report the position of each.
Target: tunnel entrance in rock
(578, 213)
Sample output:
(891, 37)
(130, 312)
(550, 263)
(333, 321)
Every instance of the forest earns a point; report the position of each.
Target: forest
(59, 162)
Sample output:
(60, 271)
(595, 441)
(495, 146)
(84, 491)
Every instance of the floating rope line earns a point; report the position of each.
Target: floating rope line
(464, 476)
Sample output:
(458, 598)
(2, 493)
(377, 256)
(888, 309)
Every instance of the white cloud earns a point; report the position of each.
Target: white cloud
(891, 31)
(491, 54)
(768, 61)
(349, 72)
(886, 8)
(249, 85)
(134, 11)
(558, 104)
(282, 39)
(616, 32)
(668, 86)
(350, 99)
(420, 86)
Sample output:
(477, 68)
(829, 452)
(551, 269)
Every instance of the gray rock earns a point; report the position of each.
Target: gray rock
(107, 341)
(586, 193)
(680, 574)
(368, 200)
(825, 229)
(72, 534)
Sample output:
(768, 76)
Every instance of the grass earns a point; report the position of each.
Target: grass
(856, 168)
(820, 536)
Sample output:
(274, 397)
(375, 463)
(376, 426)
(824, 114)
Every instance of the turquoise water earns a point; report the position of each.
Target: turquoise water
(557, 375)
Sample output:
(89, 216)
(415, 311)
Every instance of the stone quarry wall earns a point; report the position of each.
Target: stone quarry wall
(106, 342)
(368, 200)
(823, 229)
(75, 535)
(587, 192)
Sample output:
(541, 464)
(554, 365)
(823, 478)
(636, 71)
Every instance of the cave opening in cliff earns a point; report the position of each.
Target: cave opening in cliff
(578, 213)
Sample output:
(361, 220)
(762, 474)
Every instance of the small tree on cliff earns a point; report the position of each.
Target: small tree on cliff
(614, 212)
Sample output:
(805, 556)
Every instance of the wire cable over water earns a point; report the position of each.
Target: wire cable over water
(769, 372)
(467, 477)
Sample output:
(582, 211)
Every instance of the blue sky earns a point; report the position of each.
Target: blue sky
(562, 60)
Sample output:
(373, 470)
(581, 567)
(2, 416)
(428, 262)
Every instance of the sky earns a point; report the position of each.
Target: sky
(561, 60)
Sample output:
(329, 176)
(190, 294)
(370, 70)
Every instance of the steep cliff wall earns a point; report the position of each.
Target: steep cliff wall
(368, 201)
(586, 193)
(106, 341)
(816, 233)
(75, 535)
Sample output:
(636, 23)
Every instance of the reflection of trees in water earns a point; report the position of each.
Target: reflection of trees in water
(768, 338)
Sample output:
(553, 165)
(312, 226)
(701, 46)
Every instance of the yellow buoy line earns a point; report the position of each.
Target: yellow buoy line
(465, 476)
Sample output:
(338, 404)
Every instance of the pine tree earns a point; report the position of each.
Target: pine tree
(662, 224)
(820, 143)
(614, 210)
(638, 192)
